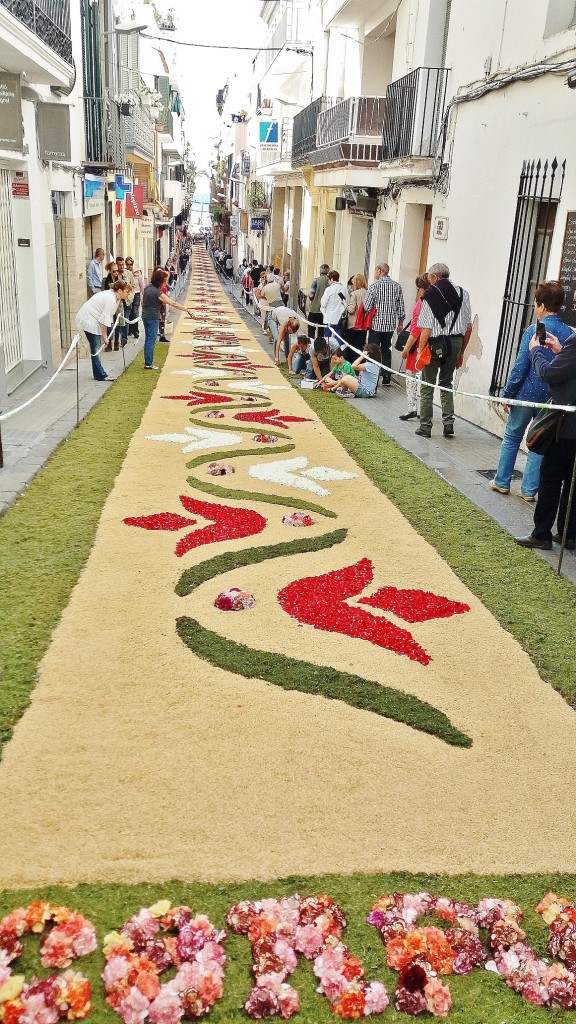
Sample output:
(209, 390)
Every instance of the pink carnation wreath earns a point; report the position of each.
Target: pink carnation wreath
(298, 519)
(60, 996)
(281, 929)
(219, 469)
(234, 600)
(150, 943)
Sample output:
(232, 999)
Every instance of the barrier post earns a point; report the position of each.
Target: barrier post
(567, 519)
(77, 385)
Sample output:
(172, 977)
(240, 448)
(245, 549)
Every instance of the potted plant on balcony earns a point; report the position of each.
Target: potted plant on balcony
(258, 200)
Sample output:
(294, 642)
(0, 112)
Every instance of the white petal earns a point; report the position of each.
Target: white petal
(326, 473)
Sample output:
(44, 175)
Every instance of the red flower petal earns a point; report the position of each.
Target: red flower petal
(318, 601)
(414, 605)
(271, 417)
(200, 398)
(162, 521)
(229, 524)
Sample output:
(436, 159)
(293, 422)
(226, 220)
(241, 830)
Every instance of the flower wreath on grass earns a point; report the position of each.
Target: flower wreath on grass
(150, 943)
(280, 929)
(298, 519)
(45, 1001)
(421, 954)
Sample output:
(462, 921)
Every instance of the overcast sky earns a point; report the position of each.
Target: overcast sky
(203, 72)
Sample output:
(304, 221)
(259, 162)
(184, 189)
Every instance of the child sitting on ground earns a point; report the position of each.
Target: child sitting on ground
(363, 386)
(338, 367)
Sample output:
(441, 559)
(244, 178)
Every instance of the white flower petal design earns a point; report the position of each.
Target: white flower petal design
(255, 385)
(196, 439)
(283, 472)
(326, 473)
(198, 374)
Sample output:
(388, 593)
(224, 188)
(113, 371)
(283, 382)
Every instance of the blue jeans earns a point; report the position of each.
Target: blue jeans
(300, 361)
(518, 420)
(150, 335)
(95, 342)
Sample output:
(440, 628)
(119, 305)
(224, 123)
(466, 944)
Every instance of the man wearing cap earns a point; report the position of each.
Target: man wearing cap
(445, 313)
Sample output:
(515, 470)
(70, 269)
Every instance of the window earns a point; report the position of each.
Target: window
(539, 193)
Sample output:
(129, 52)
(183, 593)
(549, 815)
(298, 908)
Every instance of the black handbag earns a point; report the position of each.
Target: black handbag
(401, 339)
(544, 430)
(440, 347)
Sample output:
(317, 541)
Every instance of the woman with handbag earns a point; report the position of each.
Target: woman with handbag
(526, 385)
(557, 467)
(355, 337)
(410, 351)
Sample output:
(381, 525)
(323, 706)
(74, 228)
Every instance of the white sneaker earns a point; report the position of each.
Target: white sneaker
(501, 490)
(531, 498)
(152, 367)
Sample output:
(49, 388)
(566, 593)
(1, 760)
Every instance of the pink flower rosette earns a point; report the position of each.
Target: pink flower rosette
(265, 438)
(66, 995)
(150, 943)
(215, 414)
(298, 519)
(280, 929)
(234, 600)
(219, 469)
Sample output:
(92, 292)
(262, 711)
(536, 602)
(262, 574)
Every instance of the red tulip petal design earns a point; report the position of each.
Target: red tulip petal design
(228, 523)
(201, 398)
(414, 605)
(271, 417)
(319, 601)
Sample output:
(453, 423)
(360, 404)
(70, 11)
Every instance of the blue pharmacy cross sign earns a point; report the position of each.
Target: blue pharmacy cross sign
(269, 133)
(122, 186)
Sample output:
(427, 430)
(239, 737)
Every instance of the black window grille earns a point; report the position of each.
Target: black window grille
(539, 193)
(48, 19)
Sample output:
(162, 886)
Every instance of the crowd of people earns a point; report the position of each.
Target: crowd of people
(120, 296)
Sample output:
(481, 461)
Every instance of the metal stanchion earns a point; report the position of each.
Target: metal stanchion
(77, 385)
(1, 450)
(567, 518)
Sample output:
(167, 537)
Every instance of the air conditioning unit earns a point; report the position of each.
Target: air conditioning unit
(340, 203)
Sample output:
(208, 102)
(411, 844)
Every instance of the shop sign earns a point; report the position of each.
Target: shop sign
(20, 185)
(53, 124)
(257, 223)
(94, 195)
(11, 132)
(147, 227)
(122, 186)
(135, 202)
(234, 222)
(268, 134)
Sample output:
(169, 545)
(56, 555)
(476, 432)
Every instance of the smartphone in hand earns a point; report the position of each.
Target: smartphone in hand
(541, 332)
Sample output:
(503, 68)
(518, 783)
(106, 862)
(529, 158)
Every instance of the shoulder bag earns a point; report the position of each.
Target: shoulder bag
(441, 347)
(544, 430)
(364, 320)
(401, 339)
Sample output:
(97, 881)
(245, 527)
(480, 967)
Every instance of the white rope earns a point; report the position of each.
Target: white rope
(12, 412)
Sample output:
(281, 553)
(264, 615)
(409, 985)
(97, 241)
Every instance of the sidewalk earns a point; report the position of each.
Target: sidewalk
(30, 437)
(468, 462)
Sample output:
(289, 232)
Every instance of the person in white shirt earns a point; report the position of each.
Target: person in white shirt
(96, 317)
(333, 302)
(283, 322)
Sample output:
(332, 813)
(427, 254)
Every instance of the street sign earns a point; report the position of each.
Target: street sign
(257, 223)
(234, 223)
(234, 239)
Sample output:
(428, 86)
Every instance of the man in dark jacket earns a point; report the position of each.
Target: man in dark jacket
(558, 463)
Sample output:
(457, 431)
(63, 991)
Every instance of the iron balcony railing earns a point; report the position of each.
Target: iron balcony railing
(305, 129)
(360, 117)
(140, 133)
(47, 19)
(413, 113)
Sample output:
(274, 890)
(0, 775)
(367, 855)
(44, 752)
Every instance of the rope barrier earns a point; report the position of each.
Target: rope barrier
(12, 412)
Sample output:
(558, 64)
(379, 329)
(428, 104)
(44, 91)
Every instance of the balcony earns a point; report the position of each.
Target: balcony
(140, 135)
(48, 20)
(305, 128)
(350, 132)
(414, 110)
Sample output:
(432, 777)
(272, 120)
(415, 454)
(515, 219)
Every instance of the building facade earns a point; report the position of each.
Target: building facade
(437, 131)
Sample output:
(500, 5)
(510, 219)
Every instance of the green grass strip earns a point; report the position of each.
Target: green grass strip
(478, 998)
(46, 537)
(227, 492)
(291, 674)
(524, 594)
(208, 570)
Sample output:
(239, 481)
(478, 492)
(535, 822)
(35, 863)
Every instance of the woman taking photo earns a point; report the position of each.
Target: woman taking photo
(96, 317)
(153, 301)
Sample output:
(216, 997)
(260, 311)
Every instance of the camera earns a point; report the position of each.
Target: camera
(541, 332)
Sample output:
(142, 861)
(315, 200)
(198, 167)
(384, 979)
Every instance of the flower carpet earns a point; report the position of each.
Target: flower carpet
(265, 671)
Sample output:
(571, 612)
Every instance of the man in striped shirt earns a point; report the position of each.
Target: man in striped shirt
(445, 313)
(386, 295)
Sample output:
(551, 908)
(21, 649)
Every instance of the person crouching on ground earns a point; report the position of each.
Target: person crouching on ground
(299, 355)
(363, 386)
(153, 301)
(319, 365)
(96, 317)
(339, 366)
